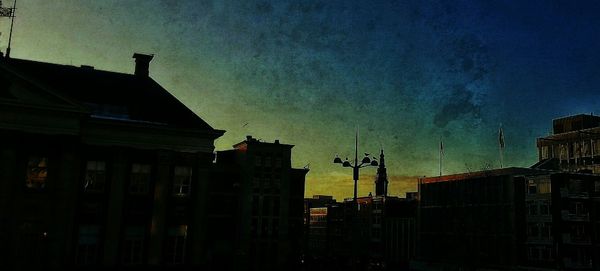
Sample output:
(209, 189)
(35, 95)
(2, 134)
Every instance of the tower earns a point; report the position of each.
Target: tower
(381, 181)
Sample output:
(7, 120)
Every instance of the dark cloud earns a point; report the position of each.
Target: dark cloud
(459, 105)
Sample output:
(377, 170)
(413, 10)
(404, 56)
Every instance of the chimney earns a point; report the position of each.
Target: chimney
(142, 64)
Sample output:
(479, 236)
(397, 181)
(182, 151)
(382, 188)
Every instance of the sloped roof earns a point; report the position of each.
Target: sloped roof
(110, 95)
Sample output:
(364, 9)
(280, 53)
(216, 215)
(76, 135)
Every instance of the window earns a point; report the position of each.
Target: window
(267, 161)
(182, 181)
(275, 228)
(133, 245)
(255, 202)
(87, 244)
(544, 208)
(532, 208)
(275, 206)
(257, 160)
(278, 161)
(95, 176)
(597, 186)
(534, 230)
(264, 227)
(37, 172)
(532, 189)
(139, 182)
(254, 227)
(175, 249)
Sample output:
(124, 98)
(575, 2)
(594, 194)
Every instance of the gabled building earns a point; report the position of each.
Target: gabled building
(99, 169)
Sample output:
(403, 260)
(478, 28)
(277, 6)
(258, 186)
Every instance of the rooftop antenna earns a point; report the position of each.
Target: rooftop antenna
(9, 12)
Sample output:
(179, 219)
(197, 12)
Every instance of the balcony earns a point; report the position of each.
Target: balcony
(577, 264)
(572, 239)
(565, 193)
(577, 217)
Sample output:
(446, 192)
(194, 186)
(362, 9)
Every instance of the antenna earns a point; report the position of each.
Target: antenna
(12, 23)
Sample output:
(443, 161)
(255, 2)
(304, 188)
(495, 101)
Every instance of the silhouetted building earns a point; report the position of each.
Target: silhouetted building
(573, 146)
(388, 230)
(256, 221)
(512, 218)
(99, 169)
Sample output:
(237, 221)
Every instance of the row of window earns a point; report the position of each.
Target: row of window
(539, 231)
(539, 253)
(267, 161)
(576, 149)
(267, 227)
(270, 205)
(134, 244)
(95, 177)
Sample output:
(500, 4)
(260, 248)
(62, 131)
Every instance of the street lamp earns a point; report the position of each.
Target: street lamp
(365, 162)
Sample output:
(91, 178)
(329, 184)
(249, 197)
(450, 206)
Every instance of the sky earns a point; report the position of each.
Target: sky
(308, 73)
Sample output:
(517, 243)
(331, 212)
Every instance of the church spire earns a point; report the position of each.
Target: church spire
(381, 181)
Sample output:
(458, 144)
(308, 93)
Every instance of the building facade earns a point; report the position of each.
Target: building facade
(99, 169)
(260, 213)
(507, 219)
(574, 144)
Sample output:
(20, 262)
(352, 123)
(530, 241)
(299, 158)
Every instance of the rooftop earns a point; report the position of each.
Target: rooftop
(106, 94)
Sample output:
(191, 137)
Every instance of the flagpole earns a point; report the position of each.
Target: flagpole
(12, 22)
(501, 145)
(441, 150)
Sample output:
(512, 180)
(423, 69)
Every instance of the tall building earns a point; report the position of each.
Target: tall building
(257, 207)
(99, 169)
(574, 145)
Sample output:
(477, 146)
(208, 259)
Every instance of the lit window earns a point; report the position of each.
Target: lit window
(37, 172)
(87, 245)
(133, 245)
(182, 181)
(140, 179)
(175, 249)
(95, 176)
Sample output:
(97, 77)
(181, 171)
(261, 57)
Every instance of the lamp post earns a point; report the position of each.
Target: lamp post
(365, 162)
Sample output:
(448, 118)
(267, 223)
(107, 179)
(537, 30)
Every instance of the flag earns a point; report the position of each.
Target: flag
(441, 147)
(501, 138)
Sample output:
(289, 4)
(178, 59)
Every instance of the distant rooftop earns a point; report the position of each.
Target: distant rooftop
(575, 123)
(485, 173)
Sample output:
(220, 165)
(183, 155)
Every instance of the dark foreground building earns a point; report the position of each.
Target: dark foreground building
(256, 210)
(509, 219)
(99, 169)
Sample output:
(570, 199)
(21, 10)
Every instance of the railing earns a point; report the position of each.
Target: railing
(576, 240)
(566, 216)
(570, 263)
